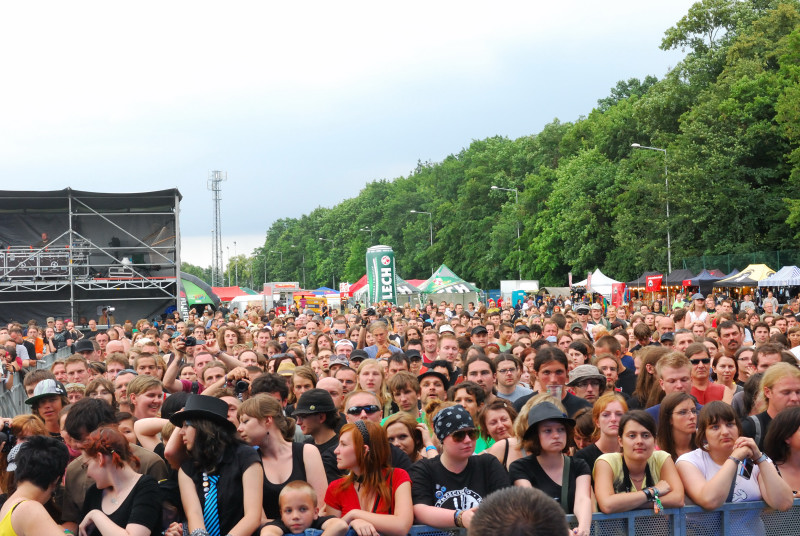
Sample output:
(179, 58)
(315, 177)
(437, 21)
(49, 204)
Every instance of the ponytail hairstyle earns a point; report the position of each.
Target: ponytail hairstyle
(262, 406)
(373, 461)
(109, 441)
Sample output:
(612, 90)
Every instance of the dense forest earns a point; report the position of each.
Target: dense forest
(728, 116)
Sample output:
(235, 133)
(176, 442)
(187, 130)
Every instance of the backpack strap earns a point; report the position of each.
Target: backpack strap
(565, 485)
(757, 424)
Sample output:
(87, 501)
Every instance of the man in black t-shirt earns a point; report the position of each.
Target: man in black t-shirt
(550, 369)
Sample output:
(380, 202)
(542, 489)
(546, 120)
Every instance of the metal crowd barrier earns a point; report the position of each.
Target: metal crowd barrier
(694, 521)
(12, 401)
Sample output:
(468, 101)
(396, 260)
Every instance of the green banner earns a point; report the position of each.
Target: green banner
(381, 274)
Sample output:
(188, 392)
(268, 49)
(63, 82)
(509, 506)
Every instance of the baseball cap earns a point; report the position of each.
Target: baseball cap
(83, 345)
(413, 355)
(343, 342)
(338, 359)
(479, 329)
(446, 328)
(597, 306)
(48, 387)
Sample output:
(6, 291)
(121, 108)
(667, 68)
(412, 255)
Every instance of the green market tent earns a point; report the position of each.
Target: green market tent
(444, 281)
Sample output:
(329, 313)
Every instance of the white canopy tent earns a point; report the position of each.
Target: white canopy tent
(601, 284)
(788, 276)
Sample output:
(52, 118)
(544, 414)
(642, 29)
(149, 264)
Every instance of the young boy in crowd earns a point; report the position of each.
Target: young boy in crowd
(299, 512)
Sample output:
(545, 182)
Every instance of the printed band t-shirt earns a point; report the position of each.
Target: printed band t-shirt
(434, 485)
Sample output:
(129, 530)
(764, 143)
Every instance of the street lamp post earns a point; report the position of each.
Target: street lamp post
(516, 202)
(252, 268)
(430, 220)
(228, 249)
(304, 266)
(367, 230)
(666, 187)
(281, 254)
(333, 245)
(235, 263)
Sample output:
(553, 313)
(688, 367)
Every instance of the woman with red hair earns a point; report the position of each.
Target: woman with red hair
(374, 498)
(120, 499)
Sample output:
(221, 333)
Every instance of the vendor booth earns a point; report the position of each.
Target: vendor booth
(445, 285)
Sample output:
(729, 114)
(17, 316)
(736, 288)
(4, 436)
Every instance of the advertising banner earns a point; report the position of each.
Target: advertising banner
(381, 274)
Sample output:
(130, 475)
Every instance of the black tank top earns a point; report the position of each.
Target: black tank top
(272, 491)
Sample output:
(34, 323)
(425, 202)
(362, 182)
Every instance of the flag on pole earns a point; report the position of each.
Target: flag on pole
(654, 283)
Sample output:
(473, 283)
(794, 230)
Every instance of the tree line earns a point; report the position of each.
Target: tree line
(728, 117)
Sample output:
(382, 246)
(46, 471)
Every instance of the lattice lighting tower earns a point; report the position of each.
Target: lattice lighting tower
(215, 179)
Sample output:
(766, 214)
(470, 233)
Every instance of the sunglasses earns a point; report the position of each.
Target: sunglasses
(356, 410)
(461, 435)
(704, 361)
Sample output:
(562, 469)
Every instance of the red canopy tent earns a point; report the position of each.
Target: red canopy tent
(226, 294)
(355, 287)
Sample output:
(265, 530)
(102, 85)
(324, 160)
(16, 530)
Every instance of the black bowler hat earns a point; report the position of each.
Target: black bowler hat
(314, 401)
(204, 407)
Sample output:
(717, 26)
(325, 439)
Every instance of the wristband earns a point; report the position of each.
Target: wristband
(457, 518)
(657, 506)
(648, 493)
(762, 458)
(735, 459)
(429, 448)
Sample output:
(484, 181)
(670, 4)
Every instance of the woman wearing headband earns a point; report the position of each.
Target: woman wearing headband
(374, 498)
(448, 489)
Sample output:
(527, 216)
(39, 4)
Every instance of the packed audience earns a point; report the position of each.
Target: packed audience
(485, 416)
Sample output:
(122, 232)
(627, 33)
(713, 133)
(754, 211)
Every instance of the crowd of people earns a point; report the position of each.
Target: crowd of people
(485, 416)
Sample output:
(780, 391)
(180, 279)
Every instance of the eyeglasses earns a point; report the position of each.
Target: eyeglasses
(685, 412)
(461, 435)
(507, 370)
(356, 410)
(704, 361)
(586, 383)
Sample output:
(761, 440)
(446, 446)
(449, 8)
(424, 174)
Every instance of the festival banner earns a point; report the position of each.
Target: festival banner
(654, 283)
(617, 294)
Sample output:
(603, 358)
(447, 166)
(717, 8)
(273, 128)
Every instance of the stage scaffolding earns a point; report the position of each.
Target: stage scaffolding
(118, 251)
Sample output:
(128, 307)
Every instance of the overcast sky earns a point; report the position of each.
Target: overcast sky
(302, 103)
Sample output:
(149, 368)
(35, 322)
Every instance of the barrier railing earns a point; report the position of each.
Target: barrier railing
(12, 401)
(734, 519)
(744, 518)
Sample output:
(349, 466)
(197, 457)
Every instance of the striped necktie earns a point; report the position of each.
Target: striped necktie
(210, 509)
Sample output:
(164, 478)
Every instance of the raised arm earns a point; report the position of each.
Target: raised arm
(147, 431)
(170, 380)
